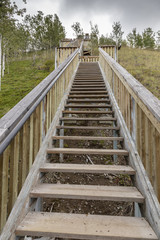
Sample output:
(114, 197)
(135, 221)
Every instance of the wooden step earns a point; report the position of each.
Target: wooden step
(87, 119)
(88, 106)
(87, 168)
(88, 151)
(88, 83)
(85, 226)
(88, 96)
(86, 89)
(88, 101)
(88, 86)
(91, 78)
(87, 192)
(88, 112)
(88, 92)
(88, 138)
(87, 128)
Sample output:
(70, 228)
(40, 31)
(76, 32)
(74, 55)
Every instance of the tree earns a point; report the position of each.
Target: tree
(7, 19)
(158, 40)
(59, 30)
(117, 33)
(135, 39)
(108, 40)
(77, 29)
(94, 38)
(139, 41)
(148, 38)
(131, 37)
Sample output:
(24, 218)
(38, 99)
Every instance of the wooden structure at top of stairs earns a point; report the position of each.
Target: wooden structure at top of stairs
(40, 139)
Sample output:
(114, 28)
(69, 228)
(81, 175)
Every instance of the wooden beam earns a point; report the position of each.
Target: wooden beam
(87, 151)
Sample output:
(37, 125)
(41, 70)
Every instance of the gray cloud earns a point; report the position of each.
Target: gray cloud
(131, 13)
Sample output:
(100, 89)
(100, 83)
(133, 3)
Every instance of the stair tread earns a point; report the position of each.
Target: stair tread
(88, 119)
(88, 112)
(88, 100)
(88, 127)
(88, 138)
(88, 106)
(88, 151)
(88, 92)
(87, 192)
(87, 168)
(88, 96)
(80, 226)
(111, 193)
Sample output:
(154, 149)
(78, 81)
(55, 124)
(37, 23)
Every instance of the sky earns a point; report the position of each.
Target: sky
(131, 13)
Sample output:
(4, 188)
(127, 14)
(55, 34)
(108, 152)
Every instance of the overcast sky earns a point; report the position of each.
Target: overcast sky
(131, 13)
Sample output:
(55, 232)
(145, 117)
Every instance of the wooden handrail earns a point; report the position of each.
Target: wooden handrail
(23, 129)
(141, 112)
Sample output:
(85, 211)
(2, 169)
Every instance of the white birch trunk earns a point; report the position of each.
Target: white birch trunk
(0, 59)
(3, 64)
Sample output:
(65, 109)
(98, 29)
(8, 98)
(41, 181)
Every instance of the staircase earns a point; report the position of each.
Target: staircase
(88, 146)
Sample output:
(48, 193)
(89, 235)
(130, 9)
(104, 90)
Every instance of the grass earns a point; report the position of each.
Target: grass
(23, 76)
(144, 65)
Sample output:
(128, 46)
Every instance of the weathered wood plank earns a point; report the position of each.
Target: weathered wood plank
(87, 119)
(74, 226)
(87, 151)
(4, 176)
(87, 112)
(87, 192)
(88, 106)
(13, 166)
(78, 138)
(84, 168)
(87, 128)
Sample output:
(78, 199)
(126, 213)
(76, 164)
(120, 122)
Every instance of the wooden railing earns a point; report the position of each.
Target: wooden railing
(141, 112)
(111, 50)
(62, 53)
(23, 129)
(89, 59)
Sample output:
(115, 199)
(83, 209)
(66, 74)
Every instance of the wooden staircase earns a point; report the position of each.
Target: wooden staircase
(87, 118)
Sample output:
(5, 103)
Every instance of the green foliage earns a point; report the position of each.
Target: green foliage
(45, 31)
(78, 30)
(117, 33)
(23, 77)
(94, 38)
(143, 65)
(148, 38)
(108, 40)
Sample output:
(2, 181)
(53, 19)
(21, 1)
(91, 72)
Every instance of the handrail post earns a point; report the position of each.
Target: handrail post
(55, 64)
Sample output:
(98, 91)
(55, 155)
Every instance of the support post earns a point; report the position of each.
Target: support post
(133, 117)
(115, 53)
(55, 64)
(0, 59)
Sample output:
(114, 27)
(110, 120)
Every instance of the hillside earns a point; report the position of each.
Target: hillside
(23, 76)
(144, 65)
